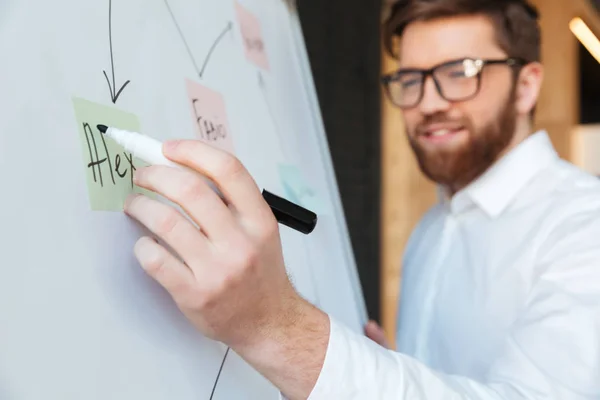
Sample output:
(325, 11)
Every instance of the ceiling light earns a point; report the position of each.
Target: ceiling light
(586, 37)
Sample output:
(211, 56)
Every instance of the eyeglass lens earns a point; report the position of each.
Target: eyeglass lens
(457, 81)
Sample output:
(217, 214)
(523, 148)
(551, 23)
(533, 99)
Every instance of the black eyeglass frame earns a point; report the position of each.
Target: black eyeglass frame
(478, 62)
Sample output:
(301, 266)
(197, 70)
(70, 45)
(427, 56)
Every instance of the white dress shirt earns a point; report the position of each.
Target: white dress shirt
(500, 294)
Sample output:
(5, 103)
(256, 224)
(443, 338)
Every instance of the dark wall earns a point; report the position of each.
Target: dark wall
(342, 37)
(590, 87)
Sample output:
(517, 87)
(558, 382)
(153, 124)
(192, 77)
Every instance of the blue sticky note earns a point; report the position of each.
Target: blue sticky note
(299, 191)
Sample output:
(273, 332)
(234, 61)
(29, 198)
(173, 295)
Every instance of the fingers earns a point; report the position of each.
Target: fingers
(226, 171)
(168, 224)
(161, 265)
(376, 334)
(192, 193)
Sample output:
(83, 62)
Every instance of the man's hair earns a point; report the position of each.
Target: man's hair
(515, 22)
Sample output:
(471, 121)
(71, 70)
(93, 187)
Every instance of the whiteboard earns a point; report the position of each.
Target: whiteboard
(79, 318)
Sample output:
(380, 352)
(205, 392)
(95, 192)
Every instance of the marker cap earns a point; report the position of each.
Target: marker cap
(290, 214)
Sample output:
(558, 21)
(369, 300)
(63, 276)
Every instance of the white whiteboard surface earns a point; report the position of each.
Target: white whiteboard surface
(79, 319)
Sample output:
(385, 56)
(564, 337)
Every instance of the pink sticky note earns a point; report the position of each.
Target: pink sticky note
(252, 36)
(210, 116)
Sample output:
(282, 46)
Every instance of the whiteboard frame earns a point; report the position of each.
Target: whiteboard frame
(319, 128)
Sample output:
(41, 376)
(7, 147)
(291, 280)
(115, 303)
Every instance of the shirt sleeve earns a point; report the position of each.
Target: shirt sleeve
(552, 352)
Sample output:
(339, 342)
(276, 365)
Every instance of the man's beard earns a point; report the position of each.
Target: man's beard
(458, 167)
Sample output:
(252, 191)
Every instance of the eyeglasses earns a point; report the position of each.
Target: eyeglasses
(457, 80)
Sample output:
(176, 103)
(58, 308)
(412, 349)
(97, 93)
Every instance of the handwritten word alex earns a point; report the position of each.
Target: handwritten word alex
(104, 164)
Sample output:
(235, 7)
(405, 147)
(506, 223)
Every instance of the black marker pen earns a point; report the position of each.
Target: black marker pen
(150, 151)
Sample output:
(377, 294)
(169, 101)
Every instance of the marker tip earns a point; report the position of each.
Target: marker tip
(102, 128)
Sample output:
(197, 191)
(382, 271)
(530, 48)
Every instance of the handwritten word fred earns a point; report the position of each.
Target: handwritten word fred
(209, 129)
(210, 116)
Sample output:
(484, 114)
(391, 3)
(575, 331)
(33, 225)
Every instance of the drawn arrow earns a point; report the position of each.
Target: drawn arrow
(114, 93)
(212, 394)
(199, 71)
(214, 46)
(261, 81)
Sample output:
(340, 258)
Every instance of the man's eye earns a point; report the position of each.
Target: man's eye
(457, 74)
(410, 83)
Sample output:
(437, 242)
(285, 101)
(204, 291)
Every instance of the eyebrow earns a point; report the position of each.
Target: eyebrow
(450, 60)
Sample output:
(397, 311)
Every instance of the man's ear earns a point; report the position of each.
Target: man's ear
(529, 84)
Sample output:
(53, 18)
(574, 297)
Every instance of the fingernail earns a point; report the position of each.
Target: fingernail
(171, 145)
(129, 200)
(145, 251)
(139, 173)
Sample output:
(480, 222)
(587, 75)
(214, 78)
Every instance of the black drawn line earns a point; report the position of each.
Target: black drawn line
(214, 46)
(98, 161)
(118, 165)
(112, 175)
(219, 374)
(187, 47)
(263, 89)
(89, 148)
(113, 96)
(199, 71)
(133, 168)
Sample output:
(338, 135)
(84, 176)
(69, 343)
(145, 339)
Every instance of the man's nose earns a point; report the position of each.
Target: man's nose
(432, 101)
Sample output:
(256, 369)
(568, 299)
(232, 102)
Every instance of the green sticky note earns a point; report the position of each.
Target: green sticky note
(299, 191)
(108, 167)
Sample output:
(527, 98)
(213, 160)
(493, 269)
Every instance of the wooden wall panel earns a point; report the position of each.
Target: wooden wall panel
(558, 106)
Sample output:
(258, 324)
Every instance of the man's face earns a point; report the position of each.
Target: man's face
(455, 142)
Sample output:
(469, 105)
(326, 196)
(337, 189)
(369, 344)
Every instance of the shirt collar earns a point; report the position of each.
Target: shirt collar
(495, 189)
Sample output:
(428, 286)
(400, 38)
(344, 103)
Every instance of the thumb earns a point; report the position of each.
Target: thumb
(376, 334)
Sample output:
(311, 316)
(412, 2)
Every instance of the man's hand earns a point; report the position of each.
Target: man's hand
(225, 270)
(376, 334)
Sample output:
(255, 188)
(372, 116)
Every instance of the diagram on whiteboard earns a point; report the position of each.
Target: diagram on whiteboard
(114, 92)
(81, 318)
(200, 71)
(110, 169)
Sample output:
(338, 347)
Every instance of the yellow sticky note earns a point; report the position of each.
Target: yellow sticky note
(108, 167)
